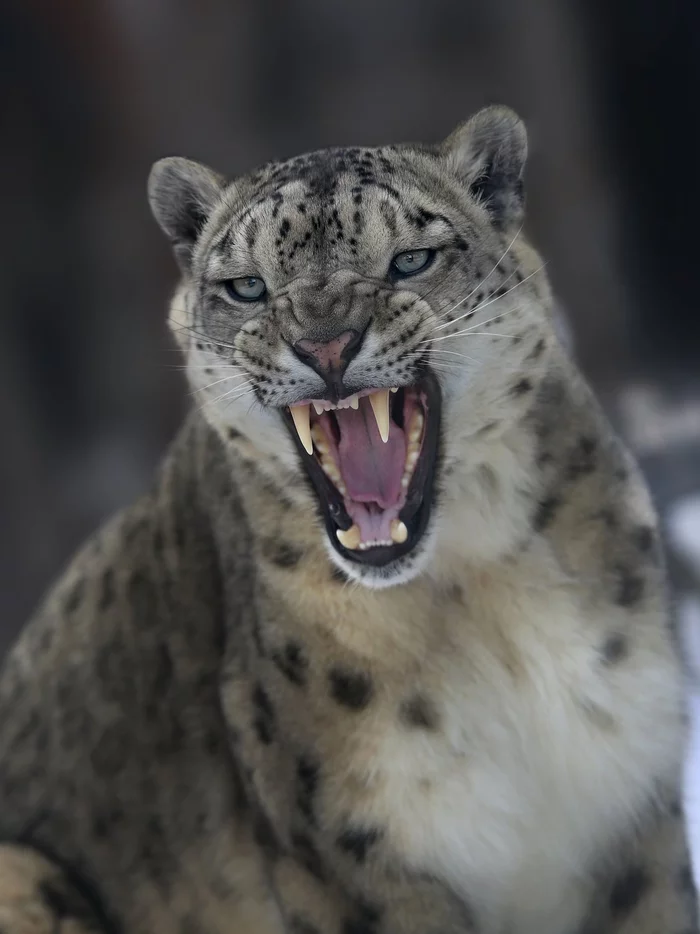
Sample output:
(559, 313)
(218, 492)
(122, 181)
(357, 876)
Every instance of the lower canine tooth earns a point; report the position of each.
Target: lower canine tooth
(399, 532)
(349, 539)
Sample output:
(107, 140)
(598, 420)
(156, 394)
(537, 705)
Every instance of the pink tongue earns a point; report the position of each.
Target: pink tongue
(371, 469)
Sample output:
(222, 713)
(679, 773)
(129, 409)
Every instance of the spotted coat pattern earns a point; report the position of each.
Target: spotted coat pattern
(217, 723)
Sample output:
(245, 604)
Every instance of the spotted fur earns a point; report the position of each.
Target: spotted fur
(216, 723)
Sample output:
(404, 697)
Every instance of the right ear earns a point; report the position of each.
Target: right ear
(182, 195)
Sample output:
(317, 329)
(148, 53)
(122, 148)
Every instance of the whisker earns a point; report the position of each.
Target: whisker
(445, 363)
(227, 395)
(225, 379)
(469, 331)
(472, 311)
(485, 279)
(455, 353)
(485, 304)
(204, 366)
(481, 324)
(204, 336)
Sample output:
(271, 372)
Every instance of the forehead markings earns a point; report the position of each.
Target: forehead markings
(327, 177)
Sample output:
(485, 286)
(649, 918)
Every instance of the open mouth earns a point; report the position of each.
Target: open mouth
(372, 461)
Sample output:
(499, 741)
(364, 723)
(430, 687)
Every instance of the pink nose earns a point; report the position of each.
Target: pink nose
(327, 357)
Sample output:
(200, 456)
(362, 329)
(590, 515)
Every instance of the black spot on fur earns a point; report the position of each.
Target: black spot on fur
(365, 920)
(109, 756)
(233, 434)
(308, 773)
(582, 460)
(485, 429)
(142, 598)
(292, 662)
(615, 649)
(521, 387)
(154, 851)
(352, 689)
(75, 597)
(630, 588)
(161, 671)
(65, 904)
(628, 891)
(536, 350)
(282, 554)
(105, 821)
(264, 715)
(158, 542)
(258, 641)
(357, 841)
(685, 882)
(546, 511)
(308, 855)
(299, 925)
(338, 575)
(418, 712)
(644, 538)
(607, 517)
(264, 834)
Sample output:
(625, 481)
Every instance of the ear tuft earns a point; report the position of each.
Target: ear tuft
(488, 153)
(182, 195)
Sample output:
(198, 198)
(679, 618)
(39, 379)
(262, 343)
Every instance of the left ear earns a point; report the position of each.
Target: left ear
(488, 153)
(182, 195)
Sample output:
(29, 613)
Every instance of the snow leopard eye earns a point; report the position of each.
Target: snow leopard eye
(246, 289)
(411, 261)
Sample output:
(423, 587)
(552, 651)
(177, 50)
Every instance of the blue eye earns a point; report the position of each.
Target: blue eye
(246, 289)
(411, 261)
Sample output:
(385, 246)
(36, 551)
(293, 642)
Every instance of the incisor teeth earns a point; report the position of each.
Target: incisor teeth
(300, 414)
(349, 539)
(379, 401)
(399, 532)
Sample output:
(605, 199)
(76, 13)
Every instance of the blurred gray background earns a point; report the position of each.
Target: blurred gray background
(93, 91)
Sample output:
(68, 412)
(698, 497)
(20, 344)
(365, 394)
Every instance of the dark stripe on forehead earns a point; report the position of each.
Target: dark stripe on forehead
(388, 213)
(251, 232)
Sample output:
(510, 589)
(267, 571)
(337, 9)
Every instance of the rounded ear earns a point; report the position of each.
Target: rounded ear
(488, 153)
(182, 195)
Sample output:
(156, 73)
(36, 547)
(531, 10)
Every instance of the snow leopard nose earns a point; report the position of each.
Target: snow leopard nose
(330, 358)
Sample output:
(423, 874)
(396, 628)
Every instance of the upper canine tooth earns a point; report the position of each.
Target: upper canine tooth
(300, 414)
(319, 408)
(394, 388)
(379, 401)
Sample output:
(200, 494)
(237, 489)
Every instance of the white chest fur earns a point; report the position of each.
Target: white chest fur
(538, 759)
